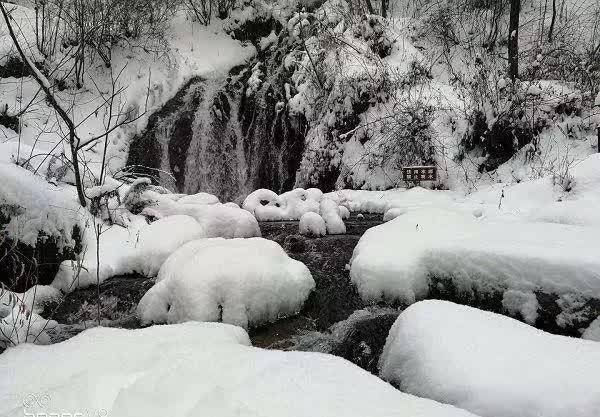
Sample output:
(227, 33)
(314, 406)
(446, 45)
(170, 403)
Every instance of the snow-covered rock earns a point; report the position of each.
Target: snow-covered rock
(331, 214)
(141, 248)
(204, 369)
(397, 259)
(266, 205)
(238, 281)
(593, 331)
(20, 321)
(216, 220)
(489, 364)
(312, 224)
(392, 213)
(36, 208)
(344, 212)
(199, 198)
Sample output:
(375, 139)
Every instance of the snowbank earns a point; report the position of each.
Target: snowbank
(204, 369)
(397, 259)
(238, 281)
(141, 248)
(20, 321)
(216, 220)
(311, 224)
(34, 208)
(266, 205)
(593, 331)
(489, 364)
(331, 214)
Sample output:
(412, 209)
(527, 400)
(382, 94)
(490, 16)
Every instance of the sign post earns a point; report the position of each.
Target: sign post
(416, 174)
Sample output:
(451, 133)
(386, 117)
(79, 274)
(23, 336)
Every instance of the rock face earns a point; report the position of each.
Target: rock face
(227, 136)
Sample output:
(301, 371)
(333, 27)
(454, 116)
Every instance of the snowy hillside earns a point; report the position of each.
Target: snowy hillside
(300, 208)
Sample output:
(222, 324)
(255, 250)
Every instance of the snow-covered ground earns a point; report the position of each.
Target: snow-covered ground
(194, 368)
(145, 80)
(489, 364)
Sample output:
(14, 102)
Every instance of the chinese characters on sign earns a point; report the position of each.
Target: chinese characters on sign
(420, 173)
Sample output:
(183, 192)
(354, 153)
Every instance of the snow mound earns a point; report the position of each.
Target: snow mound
(392, 213)
(20, 321)
(216, 220)
(344, 212)
(141, 248)
(199, 198)
(266, 205)
(331, 214)
(203, 369)
(593, 331)
(239, 281)
(489, 364)
(396, 260)
(36, 209)
(311, 224)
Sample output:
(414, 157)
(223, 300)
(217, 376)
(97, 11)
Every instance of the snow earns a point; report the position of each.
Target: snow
(344, 212)
(246, 282)
(20, 321)
(312, 224)
(217, 220)
(489, 364)
(392, 213)
(199, 198)
(36, 208)
(331, 214)
(141, 248)
(396, 259)
(145, 78)
(593, 331)
(266, 205)
(203, 369)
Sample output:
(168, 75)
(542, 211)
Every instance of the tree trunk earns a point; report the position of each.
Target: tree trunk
(552, 22)
(513, 39)
(45, 87)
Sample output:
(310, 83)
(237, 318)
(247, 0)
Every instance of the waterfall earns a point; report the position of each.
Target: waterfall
(226, 136)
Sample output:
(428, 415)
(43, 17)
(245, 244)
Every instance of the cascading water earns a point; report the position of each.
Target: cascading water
(225, 136)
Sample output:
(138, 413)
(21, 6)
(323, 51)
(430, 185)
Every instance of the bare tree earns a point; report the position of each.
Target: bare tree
(513, 39)
(45, 86)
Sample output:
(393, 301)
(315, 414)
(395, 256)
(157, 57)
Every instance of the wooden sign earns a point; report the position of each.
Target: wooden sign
(419, 173)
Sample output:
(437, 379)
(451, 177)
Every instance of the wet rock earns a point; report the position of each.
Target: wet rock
(118, 298)
(295, 244)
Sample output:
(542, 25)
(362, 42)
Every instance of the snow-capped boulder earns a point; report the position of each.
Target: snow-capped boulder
(490, 364)
(216, 220)
(392, 213)
(268, 206)
(199, 198)
(204, 369)
(593, 331)
(39, 227)
(331, 214)
(311, 224)
(480, 257)
(344, 212)
(239, 281)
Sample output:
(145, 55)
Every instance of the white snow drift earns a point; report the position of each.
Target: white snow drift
(203, 369)
(141, 248)
(266, 205)
(238, 281)
(489, 364)
(395, 260)
(311, 224)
